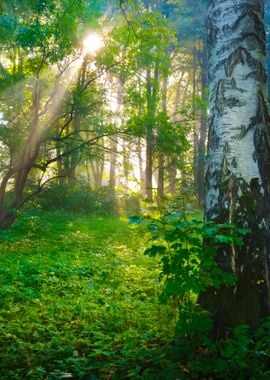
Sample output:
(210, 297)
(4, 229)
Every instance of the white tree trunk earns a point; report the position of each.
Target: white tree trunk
(238, 162)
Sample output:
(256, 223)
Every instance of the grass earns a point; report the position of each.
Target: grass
(79, 300)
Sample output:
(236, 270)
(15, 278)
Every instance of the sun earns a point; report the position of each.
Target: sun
(92, 43)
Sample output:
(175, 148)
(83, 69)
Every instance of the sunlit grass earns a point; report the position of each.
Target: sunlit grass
(76, 288)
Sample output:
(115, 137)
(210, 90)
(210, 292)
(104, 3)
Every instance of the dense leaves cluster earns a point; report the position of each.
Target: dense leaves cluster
(188, 247)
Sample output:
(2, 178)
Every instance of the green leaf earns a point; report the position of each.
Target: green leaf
(155, 250)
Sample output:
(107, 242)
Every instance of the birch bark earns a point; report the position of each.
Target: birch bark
(238, 162)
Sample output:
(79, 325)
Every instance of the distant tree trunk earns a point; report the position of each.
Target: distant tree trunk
(114, 140)
(73, 160)
(20, 171)
(238, 163)
(203, 129)
(141, 167)
(161, 165)
(97, 167)
(59, 162)
(113, 162)
(195, 124)
(172, 165)
(126, 165)
(172, 172)
(195, 159)
(161, 158)
(151, 94)
(149, 142)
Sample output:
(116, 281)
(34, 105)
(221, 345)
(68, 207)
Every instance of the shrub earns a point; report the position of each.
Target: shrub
(77, 199)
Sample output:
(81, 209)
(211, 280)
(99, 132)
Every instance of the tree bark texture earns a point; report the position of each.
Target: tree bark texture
(203, 128)
(267, 26)
(238, 162)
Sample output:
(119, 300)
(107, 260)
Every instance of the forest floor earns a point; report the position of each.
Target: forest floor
(79, 300)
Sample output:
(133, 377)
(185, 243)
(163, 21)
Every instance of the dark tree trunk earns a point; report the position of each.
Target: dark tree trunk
(267, 23)
(161, 164)
(172, 172)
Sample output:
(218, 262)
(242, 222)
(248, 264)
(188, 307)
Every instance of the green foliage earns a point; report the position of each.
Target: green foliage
(244, 355)
(79, 300)
(171, 137)
(188, 247)
(77, 199)
(78, 297)
(143, 43)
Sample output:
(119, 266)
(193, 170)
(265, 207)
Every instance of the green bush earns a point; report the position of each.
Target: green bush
(77, 199)
(129, 204)
(188, 247)
(245, 355)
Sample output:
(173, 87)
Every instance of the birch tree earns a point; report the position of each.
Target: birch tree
(238, 163)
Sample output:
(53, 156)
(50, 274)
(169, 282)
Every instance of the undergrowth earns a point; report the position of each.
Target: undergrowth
(79, 300)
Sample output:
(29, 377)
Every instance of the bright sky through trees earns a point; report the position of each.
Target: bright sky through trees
(92, 43)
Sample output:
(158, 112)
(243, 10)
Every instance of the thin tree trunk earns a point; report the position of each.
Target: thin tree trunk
(113, 162)
(161, 158)
(126, 160)
(172, 166)
(152, 86)
(74, 158)
(114, 140)
(161, 165)
(97, 168)
(149, 141)
(203, 130)
(141, 167)
(195, 125)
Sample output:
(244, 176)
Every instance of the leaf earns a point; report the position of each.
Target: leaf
(134, 219)
(174, 216)
(155, 250)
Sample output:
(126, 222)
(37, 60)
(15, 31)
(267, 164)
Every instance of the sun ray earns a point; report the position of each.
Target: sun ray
(92, 43)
